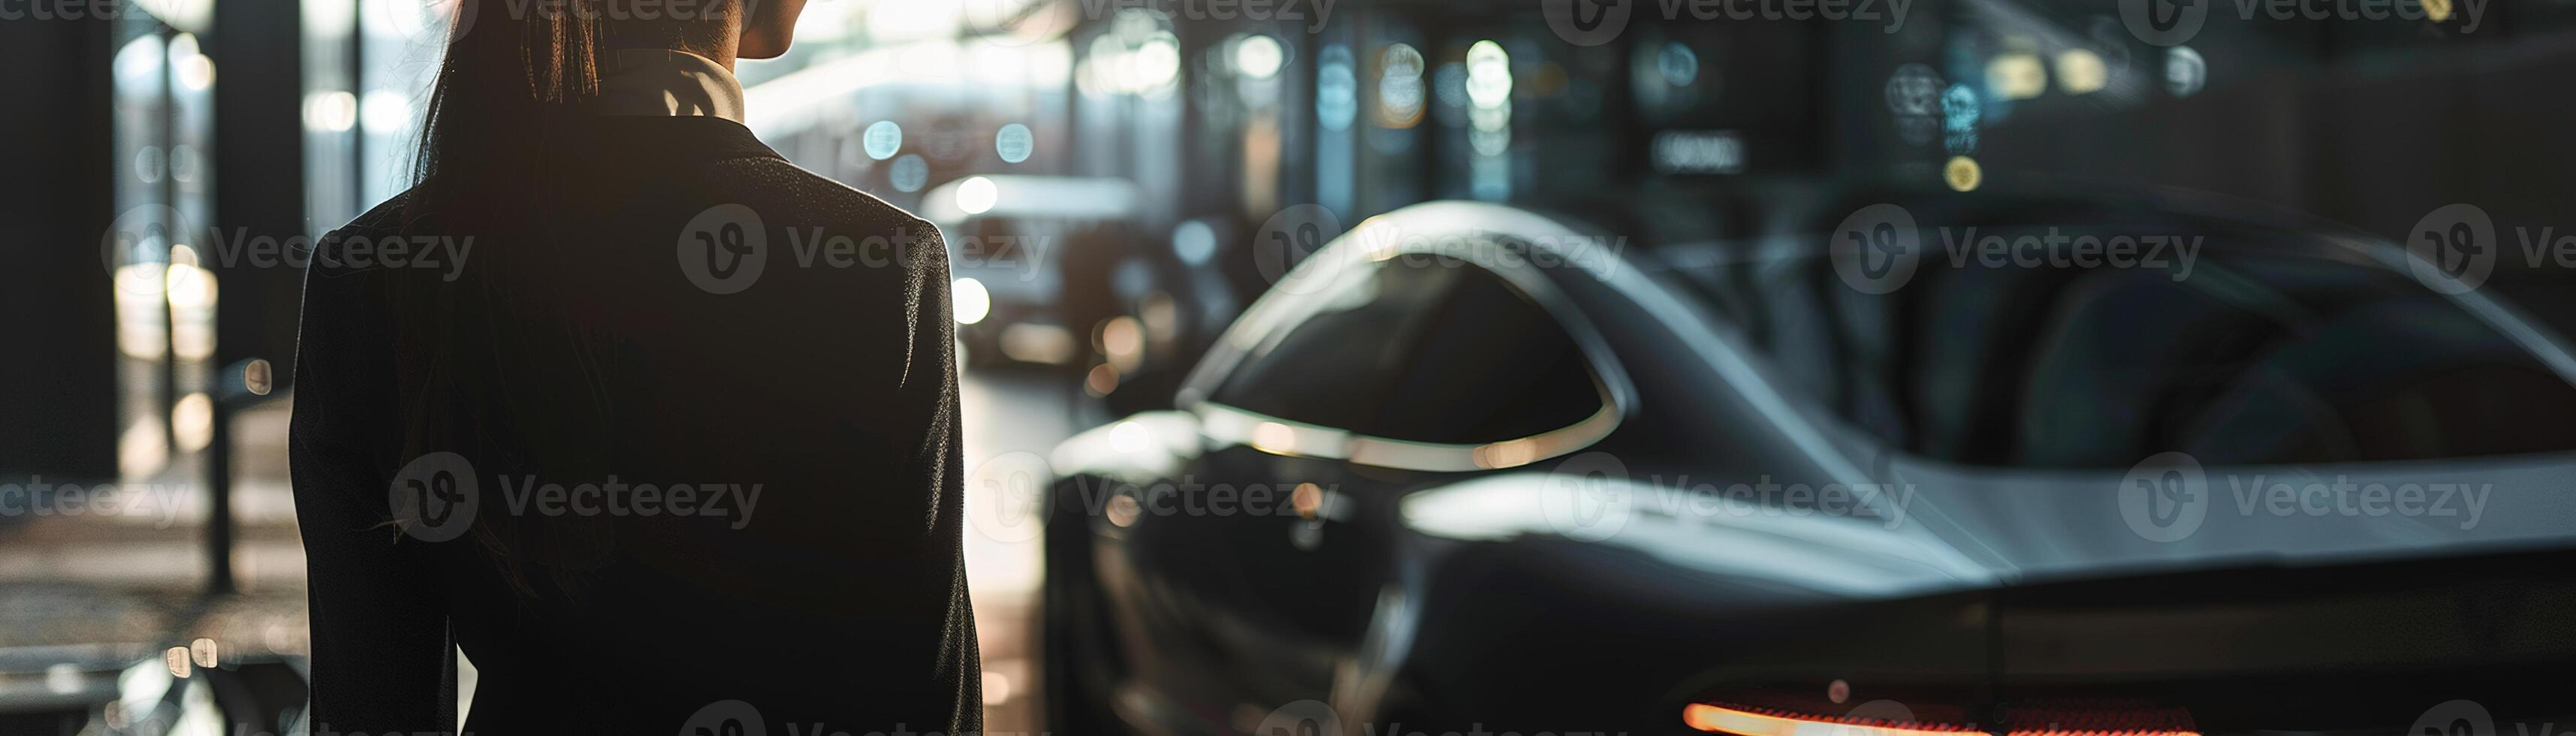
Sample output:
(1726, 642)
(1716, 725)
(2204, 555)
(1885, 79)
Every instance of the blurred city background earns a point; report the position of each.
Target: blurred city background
(1112, 175)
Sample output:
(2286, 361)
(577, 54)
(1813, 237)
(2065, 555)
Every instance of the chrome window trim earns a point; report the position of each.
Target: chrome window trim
(1448, 229)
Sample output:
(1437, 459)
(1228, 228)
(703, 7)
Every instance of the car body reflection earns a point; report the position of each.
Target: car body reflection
(1390, 488)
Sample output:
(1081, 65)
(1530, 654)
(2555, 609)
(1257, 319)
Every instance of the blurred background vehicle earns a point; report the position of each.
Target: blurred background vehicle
(1123, 179)
(1042, 262)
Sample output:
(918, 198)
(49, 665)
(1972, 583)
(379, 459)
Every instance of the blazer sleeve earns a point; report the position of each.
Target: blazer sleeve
(383, 657)
(938, 464)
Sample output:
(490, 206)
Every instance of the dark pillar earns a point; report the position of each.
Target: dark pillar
(259, 193)
(57, 329)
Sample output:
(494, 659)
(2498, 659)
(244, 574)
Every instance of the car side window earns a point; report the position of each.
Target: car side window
(2261, 357)
(1424, 349)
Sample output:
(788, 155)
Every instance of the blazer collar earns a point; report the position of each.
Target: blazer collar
(665, 82)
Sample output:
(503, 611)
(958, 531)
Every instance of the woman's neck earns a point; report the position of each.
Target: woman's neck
(722, 50)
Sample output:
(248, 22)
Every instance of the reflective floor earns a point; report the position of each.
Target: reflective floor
(133, 577)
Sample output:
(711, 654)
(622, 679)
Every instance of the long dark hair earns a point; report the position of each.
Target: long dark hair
(496, 366)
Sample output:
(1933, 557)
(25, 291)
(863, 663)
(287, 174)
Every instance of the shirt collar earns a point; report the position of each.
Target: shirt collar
(665, 82)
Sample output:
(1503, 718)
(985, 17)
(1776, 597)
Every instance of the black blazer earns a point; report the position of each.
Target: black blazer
(836, 597)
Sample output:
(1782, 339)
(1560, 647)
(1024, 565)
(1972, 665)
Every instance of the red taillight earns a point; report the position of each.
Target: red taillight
(2087, 718)
(1747, 721)
(2044, 721)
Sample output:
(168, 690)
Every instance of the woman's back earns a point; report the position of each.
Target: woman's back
(684, 435)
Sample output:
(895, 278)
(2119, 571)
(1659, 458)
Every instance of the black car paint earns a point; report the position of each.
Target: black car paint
(1191, 624)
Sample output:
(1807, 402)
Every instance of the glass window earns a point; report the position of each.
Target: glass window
(368, 69)
(1425, 349)
(2265, 354)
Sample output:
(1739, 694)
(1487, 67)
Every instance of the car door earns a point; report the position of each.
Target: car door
(1257, 571)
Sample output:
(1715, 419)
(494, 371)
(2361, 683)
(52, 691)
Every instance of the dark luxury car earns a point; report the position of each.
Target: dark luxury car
(1473, 468)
